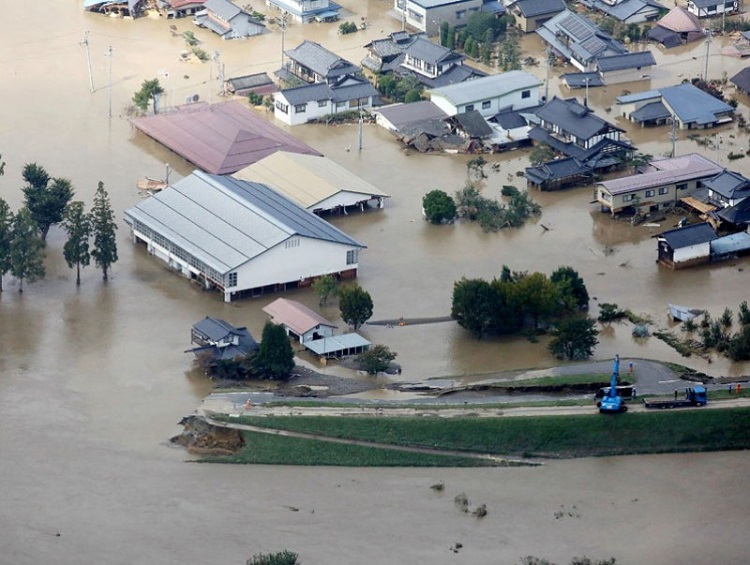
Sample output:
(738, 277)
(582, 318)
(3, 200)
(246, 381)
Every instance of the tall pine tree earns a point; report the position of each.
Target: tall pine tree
(6, 234)
(46, 197)
(78, 225)
(103, 228)
(26, 249)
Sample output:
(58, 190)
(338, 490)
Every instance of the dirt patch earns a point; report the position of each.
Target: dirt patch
(201, 438)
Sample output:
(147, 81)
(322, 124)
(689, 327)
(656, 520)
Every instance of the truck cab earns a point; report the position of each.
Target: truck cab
(697, 395)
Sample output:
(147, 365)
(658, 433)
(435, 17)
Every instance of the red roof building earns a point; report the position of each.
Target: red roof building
(219, 138)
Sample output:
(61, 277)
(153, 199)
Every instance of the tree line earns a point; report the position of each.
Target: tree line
(49, 201)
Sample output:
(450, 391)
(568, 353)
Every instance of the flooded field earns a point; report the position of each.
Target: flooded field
(93, 380)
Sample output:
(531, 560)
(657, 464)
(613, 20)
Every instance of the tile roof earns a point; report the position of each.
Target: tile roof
(403, 114)
(574, 118)
(634, 60)
(742, 79)
(650, 112)
(219, 138)
(680, 20)
(425, 50)
(730, 185)
(533, 8)
(225, 222)
(689, 235)
(295, 316)
(322, 61)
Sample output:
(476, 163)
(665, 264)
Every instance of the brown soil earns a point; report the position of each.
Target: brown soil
(201, 438)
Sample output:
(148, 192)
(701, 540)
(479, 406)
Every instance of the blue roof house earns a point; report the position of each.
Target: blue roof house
(238, 237)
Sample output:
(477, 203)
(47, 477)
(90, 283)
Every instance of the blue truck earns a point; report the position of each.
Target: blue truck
(694, 396)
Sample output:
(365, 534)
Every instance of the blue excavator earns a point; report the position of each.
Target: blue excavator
(612, 402)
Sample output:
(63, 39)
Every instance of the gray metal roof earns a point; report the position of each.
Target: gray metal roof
(634, 60)
(689, 235)
(664, 172)
(222, 8)
(581, 80)
(473, 124)
(533, 8)
(586, 40)
(403, 114)
(354, 91)
(557, 170)
(730, 244)
(484, 88)
(650, 112)
(707, 3)
(214, 329)
(333, 344)
(320, 60)
(692, 105)
(307, 93)
(425, 50)
(638, 97)
(742, 79)
(225, 222)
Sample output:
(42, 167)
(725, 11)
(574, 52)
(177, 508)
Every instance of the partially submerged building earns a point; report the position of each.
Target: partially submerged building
(627, 11)
(238, 237)
(711, 8)
(685, 247)
(677, 28)
(227, 20)
(530, 14)
(219, 339)
(306, 11)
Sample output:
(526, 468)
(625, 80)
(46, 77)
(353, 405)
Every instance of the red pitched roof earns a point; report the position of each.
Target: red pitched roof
(295, 316)
(219, 138)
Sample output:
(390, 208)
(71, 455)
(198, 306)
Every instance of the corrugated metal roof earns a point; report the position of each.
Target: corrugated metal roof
(226, 222)
(336, 343)
(626, 61)
(680, 20)
(533, 8)
(488, 87)
(295, 316)
(649, 112)
(403, 114)
(307, 93)
(306, 179)
(692, 105)
(425, 50)
(730, 244)
(220, 138)
(638, 97)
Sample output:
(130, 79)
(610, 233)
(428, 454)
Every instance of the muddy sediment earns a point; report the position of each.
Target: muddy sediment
(200, 437)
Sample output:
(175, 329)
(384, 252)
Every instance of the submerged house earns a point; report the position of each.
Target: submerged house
(530, 14)
(306, 11)
(658, 186)
(180, 8)
(427, 15)
(677, 28)
(240, 238)
(627, 11)
(741, 80)
(221, 340)
(228, 20)
(710, 8)
(686, 104)
(685, 247)
(310, 63)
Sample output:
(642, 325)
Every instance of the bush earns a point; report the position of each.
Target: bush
(281, 558)
(376, 359)
(438, 207)
(255, 99)
(347, 28)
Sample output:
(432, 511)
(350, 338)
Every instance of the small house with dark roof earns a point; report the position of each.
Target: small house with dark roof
(572, 129)
(685, 247)
(394, 117)
(577, 39)
(302, 104)
(628, 67)
(558, 174)
(742, 80)
(711, 8)
(221, 340)
(228, 20)
(240, 238)
(258, 83)
(732, 217)
(470, 125)
(727, 189)
(382, 52)
(310, 62)
(676, 28)
(530, 14)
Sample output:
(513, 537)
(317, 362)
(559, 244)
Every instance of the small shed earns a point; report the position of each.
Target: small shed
(299, 321)
(730, 246)
(686, 247)
(258, 83)
(338, 345)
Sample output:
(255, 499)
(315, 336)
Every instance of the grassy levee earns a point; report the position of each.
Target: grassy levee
(549, 436)
(265, 449)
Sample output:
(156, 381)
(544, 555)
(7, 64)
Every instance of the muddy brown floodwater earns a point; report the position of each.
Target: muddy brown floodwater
(93, 380)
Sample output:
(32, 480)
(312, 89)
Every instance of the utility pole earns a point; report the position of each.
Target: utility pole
(673, 136)
(109, 54)
(361, 121)
(282, 27)
(708, 48)
(85, 43)
(548, 54)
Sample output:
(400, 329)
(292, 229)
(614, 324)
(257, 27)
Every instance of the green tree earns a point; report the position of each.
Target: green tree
(103, 228)
(285, 557)
(26, 249)
(325, 287)
(413, 96)
(444, 30)
(574, 338)
(149, 92)
(45, 197)
(375, 359)
(438, 207)
(572, 288)
(744, 314)
(355, 304)
(506, 315)
(541, 154)
(475, 166)
(479, 23)
(609, 312)
(78, 225)
(450, 41)
(472, 305)
(738, 348)
(274, 358)
(6, 238)
(538, 297)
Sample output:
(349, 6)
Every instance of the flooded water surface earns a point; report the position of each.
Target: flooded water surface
(94, 380)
